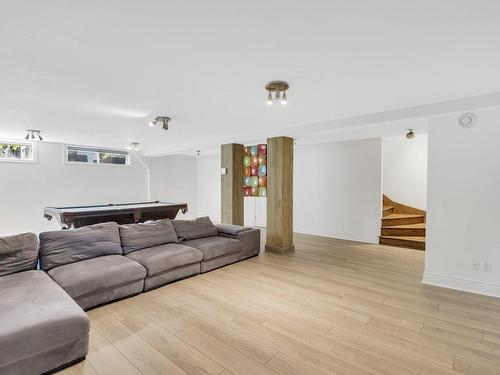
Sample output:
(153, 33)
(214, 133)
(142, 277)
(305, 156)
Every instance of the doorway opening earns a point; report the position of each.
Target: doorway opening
(404, 186)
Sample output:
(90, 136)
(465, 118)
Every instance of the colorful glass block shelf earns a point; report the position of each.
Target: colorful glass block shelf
(255, 171)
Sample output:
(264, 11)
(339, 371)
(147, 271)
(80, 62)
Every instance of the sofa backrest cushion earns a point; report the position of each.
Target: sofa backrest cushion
(18, 253)
(192, 229)
(152, 233)
(72, 245)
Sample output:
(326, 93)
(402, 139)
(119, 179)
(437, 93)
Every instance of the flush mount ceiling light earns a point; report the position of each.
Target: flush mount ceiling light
(161, 121)
(134, 146)
(410, 134)
(33, 135)
(279, 89)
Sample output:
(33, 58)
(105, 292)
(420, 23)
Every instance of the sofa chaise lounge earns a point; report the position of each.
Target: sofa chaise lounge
(41, 327)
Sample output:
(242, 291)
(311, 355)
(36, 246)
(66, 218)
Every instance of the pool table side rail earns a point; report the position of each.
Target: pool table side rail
(122, 213)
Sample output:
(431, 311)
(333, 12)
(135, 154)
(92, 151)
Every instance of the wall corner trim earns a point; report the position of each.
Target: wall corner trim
(148, 171)
(478, 287)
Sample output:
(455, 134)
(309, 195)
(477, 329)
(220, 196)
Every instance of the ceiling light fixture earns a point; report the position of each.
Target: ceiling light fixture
(284, 99)
(279, 89)
(134, 146)
(161, 121)
(33, 135)
(410, 134)
(277, 97)
(198, 153)
(269, 99)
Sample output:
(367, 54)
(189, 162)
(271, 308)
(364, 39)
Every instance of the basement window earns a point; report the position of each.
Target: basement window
(95, 156)
(13, 151)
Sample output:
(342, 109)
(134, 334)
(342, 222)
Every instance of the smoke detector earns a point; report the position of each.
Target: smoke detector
(466, 120)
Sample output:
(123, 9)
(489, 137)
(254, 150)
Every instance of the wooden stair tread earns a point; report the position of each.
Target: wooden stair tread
(402, 225)
(407, 226)
(387, 210)
(401, 216)
(405, 238)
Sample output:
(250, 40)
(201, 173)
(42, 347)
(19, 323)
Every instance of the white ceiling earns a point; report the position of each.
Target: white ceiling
(95, 72)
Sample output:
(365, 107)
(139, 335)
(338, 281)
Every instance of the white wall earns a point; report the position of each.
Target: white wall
(405, 170)
(337, 187)
(200, 187)
(25, 188)
(338, 190)
(208, 194)
(464, 204)
(174, 179)
(208, 187)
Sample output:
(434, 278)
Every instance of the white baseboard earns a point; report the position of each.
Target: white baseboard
(479, 287)
(341, 236)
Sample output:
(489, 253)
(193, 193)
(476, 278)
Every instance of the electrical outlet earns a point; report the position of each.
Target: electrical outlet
(487, 267)
(476, 265)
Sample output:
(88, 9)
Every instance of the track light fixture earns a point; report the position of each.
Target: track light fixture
(410, 134)
(161, 121)
(279, 89)
(33, 135)
(284, 99)
(134, 146)
(269, 99)
(277, 97)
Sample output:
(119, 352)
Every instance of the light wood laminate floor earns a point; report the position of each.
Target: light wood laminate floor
(333, 307)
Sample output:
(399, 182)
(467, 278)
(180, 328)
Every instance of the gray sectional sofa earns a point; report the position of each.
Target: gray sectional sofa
(42, 324)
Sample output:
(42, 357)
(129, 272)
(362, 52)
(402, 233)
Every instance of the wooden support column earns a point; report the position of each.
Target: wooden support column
(232, 184)
(280, 195)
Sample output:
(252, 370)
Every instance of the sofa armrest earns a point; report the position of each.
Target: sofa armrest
(249, 237)
(250, 241)
(231, 229)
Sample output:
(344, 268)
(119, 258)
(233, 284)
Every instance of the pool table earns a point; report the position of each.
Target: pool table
(125, 213)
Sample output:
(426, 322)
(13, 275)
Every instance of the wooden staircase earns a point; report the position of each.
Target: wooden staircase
(402, 226)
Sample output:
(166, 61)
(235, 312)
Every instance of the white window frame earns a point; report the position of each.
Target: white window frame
(95, 149)
(34, 148)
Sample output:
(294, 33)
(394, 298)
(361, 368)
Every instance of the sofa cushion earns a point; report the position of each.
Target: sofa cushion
(68, 246)
(162, 258)
(18, 253)
(97, 274)
(37, 316)
(192, 229)
(213, 247)
(140, 236)
(231, 229)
